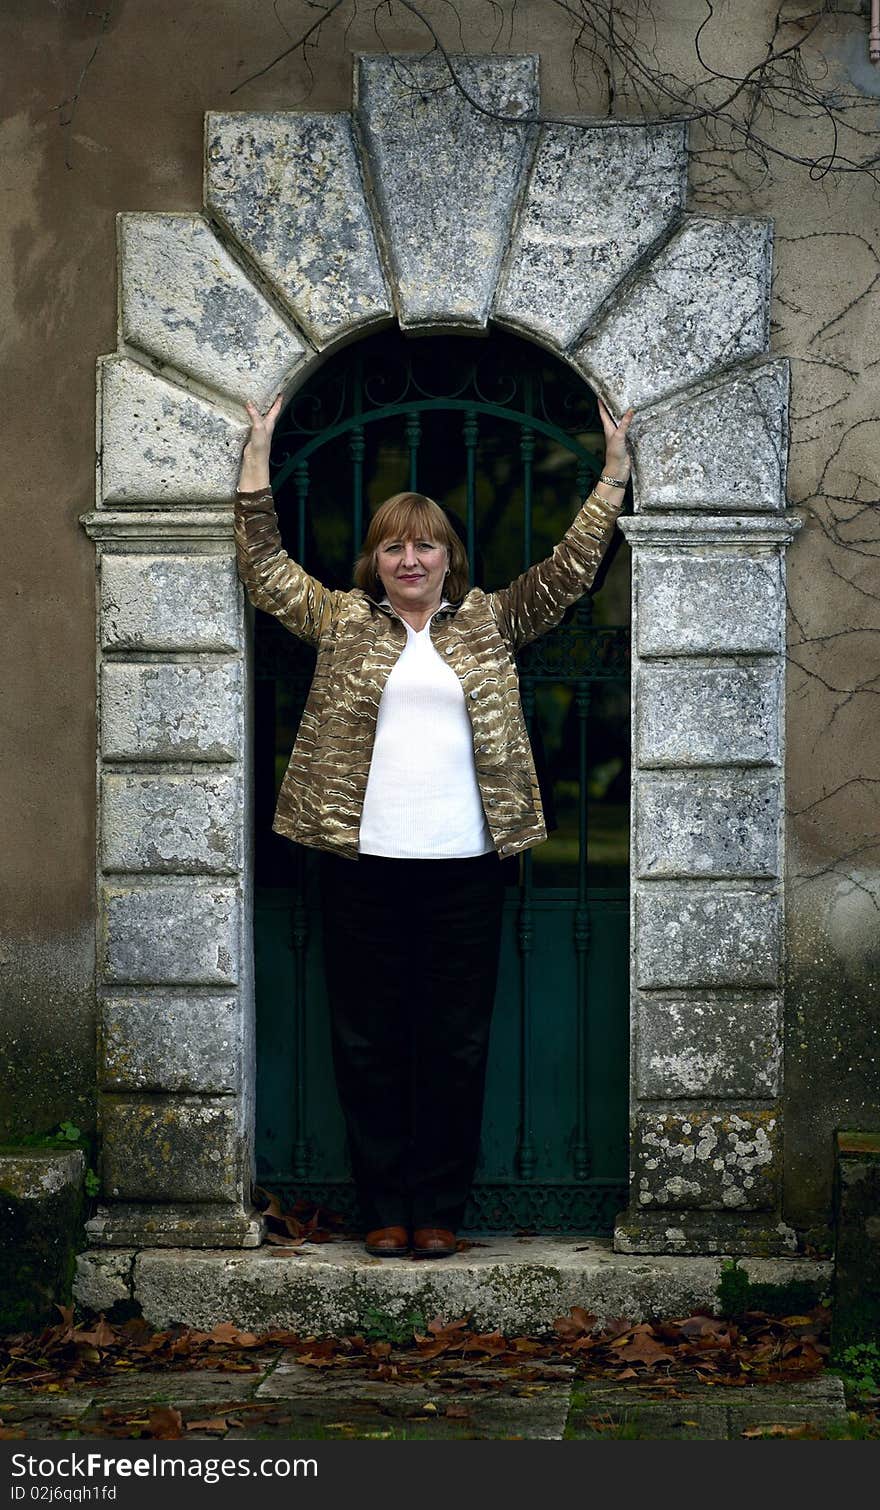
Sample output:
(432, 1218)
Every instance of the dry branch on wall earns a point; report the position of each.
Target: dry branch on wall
(756, 113)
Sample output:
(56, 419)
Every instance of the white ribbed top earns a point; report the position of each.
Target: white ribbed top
(423, 800)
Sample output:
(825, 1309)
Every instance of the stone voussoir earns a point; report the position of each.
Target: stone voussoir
(721, 445)
(699, 306)
(160, 443)
(572, 242)
(445, 176)
(289, 188)
(186, 302)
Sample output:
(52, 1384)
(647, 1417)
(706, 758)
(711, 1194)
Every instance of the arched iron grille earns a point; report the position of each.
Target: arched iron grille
(509, 440)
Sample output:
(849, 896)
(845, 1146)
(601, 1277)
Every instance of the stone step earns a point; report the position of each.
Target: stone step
(514, 1284)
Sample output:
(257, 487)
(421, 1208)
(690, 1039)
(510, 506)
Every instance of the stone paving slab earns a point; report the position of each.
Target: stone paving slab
(818, 1401)
(483, 1402)
(17, 1403)
(174, 1388)
(676, 1421)
(454, 1418)
(124, 1385)
(480, 1402)
(708, 1412)
(493, 1402)
(292, 1380)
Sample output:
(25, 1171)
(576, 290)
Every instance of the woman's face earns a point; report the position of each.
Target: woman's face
(412, 572)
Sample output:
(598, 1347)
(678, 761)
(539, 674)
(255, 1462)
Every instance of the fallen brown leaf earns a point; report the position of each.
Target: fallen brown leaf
(165, 1423)
(643, 1349)
(776, 1430)
(225, 1332)
(213, 1423)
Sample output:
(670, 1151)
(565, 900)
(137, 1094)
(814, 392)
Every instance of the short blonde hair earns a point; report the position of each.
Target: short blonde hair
(410, 516)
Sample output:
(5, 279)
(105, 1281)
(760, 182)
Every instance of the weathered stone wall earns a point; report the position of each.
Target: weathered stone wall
(127, 136)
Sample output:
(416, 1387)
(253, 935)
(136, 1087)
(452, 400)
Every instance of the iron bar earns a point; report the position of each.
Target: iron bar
(470, 431)
(299, 943)
(582, 933)
(357, 447)
(413, 436)
(526, 1158)
(301, 482)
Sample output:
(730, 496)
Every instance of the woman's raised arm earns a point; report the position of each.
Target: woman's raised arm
(537, 600)
(272, 580)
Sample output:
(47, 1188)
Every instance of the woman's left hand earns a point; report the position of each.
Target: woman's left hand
(616, 455)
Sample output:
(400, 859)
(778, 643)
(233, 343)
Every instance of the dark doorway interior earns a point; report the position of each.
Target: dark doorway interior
(509, 440)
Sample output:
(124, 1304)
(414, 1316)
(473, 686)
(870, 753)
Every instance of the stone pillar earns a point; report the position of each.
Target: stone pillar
(174, 967)
(707, 878)
(174, 873)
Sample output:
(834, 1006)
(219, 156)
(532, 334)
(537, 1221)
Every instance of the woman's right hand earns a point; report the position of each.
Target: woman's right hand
(255, 457)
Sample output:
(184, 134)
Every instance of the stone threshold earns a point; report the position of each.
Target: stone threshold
(513, 1284)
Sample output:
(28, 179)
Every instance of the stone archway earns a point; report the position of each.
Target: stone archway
(419, 208)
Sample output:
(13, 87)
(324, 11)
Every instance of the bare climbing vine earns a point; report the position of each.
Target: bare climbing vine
(616, 45)
(68, 106)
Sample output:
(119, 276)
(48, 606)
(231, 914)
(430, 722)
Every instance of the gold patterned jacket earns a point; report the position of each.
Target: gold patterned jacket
(358, 641)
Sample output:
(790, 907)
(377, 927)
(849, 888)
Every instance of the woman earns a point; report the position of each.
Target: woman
(413, 775)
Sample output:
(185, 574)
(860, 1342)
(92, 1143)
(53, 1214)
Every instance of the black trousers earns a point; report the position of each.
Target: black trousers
(411, 953)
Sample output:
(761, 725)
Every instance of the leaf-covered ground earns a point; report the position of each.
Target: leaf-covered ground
(754, 1348)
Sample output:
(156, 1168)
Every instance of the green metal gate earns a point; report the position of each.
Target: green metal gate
(508, 440)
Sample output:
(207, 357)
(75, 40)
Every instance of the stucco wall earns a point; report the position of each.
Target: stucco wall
(104, 112)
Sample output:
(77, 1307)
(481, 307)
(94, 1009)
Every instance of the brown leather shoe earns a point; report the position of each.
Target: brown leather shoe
(434, 1242)
(388, 1242)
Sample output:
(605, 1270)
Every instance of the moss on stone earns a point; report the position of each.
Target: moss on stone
(41, 1232)
(737, 1293)
(856, 1319)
